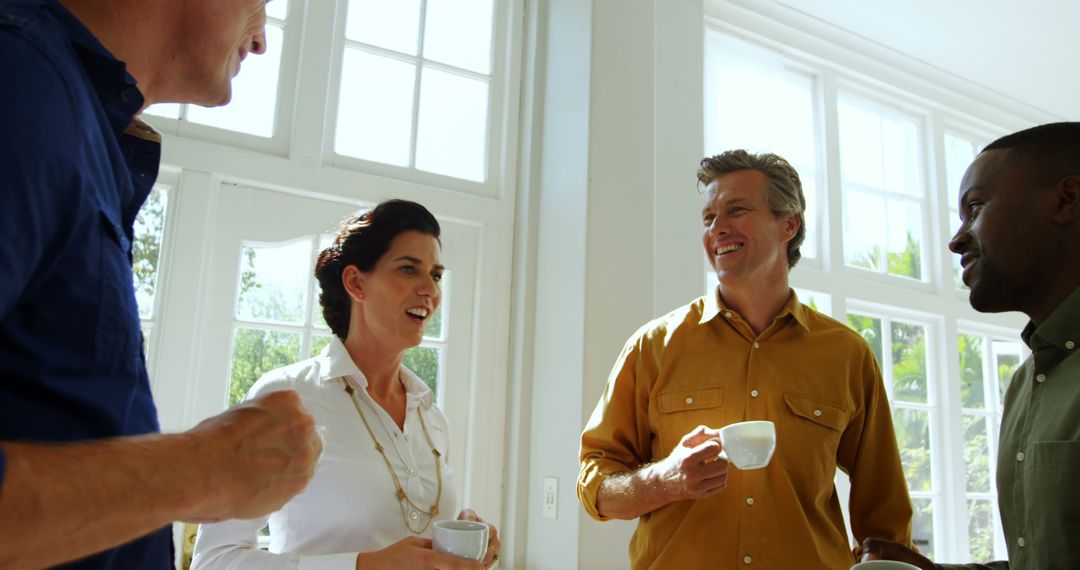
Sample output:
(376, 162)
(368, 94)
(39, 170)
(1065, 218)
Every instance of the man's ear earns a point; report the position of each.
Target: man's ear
(791, 226)
(354, 282)
(1067, 200)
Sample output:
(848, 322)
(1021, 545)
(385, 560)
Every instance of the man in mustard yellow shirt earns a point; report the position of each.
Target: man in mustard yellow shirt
(749, 351)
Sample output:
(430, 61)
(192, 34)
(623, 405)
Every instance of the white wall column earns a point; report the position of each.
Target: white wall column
(611, 212)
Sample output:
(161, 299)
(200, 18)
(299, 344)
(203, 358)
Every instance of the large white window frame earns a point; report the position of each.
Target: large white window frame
(934, 301)
(498, 109)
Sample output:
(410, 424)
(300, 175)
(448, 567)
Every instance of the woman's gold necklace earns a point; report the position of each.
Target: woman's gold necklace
(402, 497)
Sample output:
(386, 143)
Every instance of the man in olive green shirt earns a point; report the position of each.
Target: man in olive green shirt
(1020, 248)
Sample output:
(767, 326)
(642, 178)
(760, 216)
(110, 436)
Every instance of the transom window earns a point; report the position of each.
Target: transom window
(415, 85)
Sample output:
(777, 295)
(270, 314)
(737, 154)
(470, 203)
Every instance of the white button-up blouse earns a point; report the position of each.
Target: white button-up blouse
(350, 505)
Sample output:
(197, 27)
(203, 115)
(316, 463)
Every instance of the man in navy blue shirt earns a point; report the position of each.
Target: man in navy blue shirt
(84, 475)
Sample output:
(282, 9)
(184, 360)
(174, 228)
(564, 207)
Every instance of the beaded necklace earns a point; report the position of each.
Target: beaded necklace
(402, 497)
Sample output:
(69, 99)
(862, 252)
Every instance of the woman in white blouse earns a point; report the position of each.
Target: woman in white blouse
(384, 477)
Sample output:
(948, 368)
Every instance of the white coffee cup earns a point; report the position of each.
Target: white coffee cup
(466, 539)
(883, 565)
(749, 445)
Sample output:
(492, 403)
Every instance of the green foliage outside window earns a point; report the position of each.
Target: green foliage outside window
(146, 250)
(907, 263)
(424, 362)
(256, 352)
(909, 362)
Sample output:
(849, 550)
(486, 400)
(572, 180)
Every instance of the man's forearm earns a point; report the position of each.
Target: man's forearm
(630, 494)
(63, 502)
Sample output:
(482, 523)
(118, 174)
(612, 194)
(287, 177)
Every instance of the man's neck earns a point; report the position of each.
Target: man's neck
(758, 303)
(128, 33)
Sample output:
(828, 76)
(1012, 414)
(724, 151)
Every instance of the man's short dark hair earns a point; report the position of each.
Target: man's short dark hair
(1053, 149)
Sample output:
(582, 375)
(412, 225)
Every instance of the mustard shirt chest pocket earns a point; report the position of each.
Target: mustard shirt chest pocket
(808, 435)
(683, 409)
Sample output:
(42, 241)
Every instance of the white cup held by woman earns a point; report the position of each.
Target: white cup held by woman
(466, 539)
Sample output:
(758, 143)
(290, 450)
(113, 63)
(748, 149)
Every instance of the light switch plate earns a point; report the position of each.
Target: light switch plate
(551, 498)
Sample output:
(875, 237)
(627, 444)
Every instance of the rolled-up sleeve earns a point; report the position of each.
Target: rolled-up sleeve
(617, 437)
(879, 504)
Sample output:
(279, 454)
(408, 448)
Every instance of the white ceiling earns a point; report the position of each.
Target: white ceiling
(1024, 49)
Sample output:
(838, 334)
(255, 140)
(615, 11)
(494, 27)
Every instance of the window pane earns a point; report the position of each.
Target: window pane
(254, 93)
(981, 530)
(905, 227)
(971, 371)
(1007, 359)
(374, 119)
(909, 362)
(273, 282)
(317, 320)
(319, 342)
(452, 133)
(424, 362)
(277, 9)
(147, 329)
(913, 437)
(458, 33)
(820, 302)
(170, 110)
(390, 24)
(256, 352)
(811, 220)
(435, 328)
(860, 145)
(958, 271)
(922, 526)
(976, 453)
(901, 159)
(870, 329)
(959, 153)
(146, 251)
(865, 223)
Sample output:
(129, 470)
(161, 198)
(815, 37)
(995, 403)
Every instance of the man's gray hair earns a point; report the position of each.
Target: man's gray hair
(785, 189)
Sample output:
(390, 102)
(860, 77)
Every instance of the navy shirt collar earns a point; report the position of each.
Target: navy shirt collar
(115, 87)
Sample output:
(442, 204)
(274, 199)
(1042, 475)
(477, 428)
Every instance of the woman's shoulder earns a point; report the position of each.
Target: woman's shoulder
(300, 376)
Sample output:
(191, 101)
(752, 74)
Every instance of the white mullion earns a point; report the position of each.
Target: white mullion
(418, 77)
(832, 195)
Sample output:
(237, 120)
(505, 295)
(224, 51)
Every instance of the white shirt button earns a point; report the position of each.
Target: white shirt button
(412, 472)
(1070, 344)
(817, 413)
(413, 515)
(689, 400)
(756, 345)
(1019, 455)
(727, 314)
(1040, 378)
(750, 501)
(753, 393)
(1020, 542)
(747, 559)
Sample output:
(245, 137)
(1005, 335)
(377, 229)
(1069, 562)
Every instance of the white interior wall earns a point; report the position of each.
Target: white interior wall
(615, 236)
